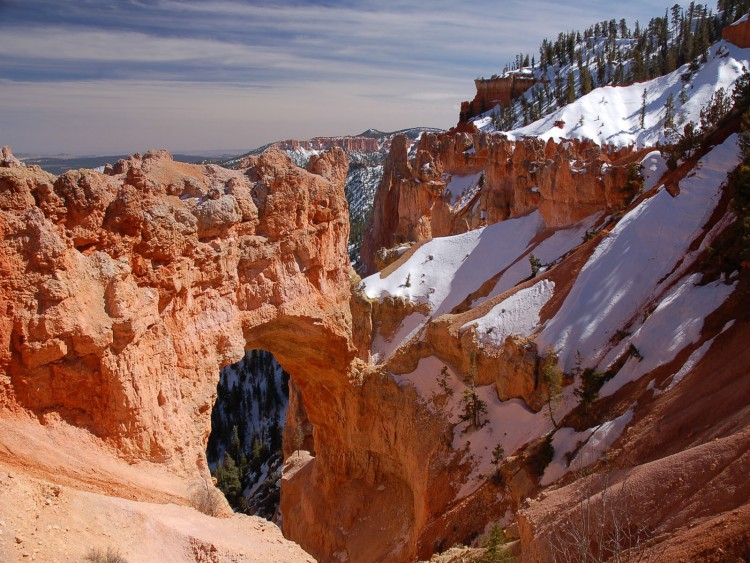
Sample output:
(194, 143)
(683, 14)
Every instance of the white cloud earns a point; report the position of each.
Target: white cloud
(168, 69)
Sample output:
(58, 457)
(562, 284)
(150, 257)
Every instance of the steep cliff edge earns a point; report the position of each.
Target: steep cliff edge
(123, 295)
(126, 293)
(463, 179)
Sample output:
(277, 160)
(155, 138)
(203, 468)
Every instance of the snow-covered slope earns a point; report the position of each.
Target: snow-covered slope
(634, 291)
(631, 266)
(613, 114)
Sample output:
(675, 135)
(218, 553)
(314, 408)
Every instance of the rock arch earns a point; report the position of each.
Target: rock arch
(124, 294)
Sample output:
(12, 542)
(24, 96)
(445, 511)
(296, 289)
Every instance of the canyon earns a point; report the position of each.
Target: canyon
(126, 292)
(518, 273)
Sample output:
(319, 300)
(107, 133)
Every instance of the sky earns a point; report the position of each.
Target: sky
(87, 77)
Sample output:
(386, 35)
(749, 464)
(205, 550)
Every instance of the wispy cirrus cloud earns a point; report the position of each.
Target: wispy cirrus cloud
(316, 67)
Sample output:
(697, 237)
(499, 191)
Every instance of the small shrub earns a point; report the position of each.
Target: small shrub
(634, 352)
(591, 383)
(535, 264)
(493, 547)
(111, 555)
(205, 498)
(590, 233)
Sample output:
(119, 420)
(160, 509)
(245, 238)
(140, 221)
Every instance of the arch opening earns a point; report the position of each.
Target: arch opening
(245, 449)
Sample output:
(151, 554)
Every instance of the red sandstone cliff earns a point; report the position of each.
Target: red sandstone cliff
(491, 92)
(738, 33)
(566, 182)
(125, 293)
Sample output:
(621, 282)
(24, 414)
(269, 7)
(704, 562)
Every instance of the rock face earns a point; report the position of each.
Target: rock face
(738, 33)
(501, 179)
(498, 90)
(123, 295)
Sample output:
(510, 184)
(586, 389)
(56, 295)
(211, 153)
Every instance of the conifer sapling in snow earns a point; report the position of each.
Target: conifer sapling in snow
(443, 382)
(551, 377)
(473, 406)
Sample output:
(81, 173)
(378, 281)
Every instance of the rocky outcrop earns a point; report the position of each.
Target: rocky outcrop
(123, 294)
(566, 182)
(738, 33)
(7, 160)
(498, 90)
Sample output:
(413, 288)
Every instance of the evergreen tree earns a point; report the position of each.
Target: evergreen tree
(493, 552)
(473, 407)
(588, 392)
(443, 382)
(587, 83)
(669, 112)
(228, 480)
(299, 438)
(551, 378)
(570, 89)
(235, 447)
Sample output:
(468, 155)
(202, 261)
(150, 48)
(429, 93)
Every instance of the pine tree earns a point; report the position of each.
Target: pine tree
(551, 378)
(235, 447)
(493, 547)
(570, 89)
(591, 383)
(473, 406)
(228, 480)
(644, 97)
(299, 438)
(443, 382)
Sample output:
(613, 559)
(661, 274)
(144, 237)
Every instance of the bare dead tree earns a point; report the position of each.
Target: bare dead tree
(601, 528)
(206, 498)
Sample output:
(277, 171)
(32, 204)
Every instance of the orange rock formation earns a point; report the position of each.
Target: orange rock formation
(738, 33)
(566, 182)
(498, 90)
(124, 294)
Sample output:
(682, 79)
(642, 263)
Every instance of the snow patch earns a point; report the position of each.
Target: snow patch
(591, 445)
(654, 166)
(674, 324)
(517, 315)
(444, 271)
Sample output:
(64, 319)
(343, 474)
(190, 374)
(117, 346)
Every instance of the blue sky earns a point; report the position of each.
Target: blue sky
(98, 77)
